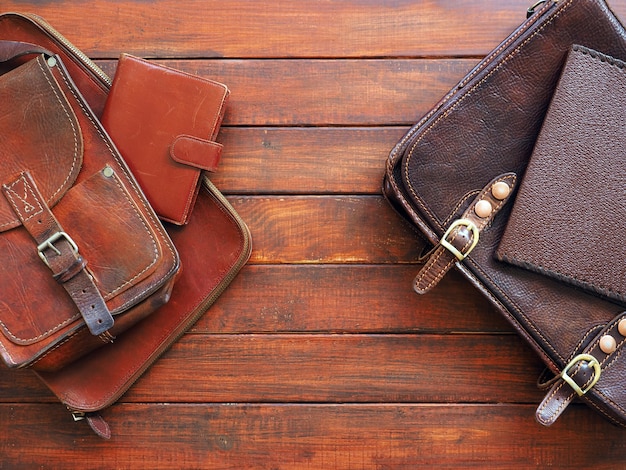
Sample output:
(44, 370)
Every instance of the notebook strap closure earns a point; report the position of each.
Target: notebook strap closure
(584, 370)
(59, 252)
(462, 235)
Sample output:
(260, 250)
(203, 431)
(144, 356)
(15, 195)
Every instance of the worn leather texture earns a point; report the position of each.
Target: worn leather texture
(164, 122)
(566, 221)
(63, 178)
(488, 125)
(213, 247)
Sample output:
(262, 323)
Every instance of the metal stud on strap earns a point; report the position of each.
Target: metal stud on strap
(591, 361)
(460, 223)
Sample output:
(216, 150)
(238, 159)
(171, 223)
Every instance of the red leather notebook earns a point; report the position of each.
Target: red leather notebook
(164, 123)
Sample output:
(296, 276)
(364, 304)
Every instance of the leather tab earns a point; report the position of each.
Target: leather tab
(98, 425)
(581, 373)
(196, 152)
(462, 235)
(59, 252)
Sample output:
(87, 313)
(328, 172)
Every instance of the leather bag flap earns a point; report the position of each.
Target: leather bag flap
(40, 133)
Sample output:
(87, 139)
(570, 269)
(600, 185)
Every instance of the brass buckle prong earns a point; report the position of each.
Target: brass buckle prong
(471, 226)
(49, 245)
(593, 362)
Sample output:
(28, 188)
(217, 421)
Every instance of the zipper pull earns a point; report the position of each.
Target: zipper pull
(532, 9)
(95, 422)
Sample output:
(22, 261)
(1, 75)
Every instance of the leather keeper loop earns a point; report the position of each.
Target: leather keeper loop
(583, 373)
(72, 270)
(462, 236)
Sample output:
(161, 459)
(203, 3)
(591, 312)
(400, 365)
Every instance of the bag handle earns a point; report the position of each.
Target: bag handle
(10, 50)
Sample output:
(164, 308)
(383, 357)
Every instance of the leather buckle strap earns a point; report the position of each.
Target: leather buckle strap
(462, 236)
(49, 244)
(583, 372)
(588, 362)
(60, 253)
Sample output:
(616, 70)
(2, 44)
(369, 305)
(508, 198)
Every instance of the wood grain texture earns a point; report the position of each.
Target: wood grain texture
(335, 160)
(347, 299)
(326, 229)
(321, 92)
(316, 436)
(284, 28)
(319, 355)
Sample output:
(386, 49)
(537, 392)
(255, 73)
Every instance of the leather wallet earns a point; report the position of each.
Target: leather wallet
(164, 122)
(567, 219)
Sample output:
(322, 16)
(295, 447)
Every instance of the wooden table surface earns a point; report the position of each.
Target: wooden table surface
(319, 355)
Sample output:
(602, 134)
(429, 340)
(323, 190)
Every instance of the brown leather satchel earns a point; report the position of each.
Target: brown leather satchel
(213, 246)
(84, 257)
(515, 177)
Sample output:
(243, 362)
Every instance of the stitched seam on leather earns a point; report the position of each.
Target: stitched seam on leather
(599, 392)
(74, 131)
(51, 350)
(559, 410)
(518, 310)
(157, 225)
(42, 335)
(462, 98)
(71, 121)
(105, 401)
(441, 272)
(12, 193)
(604, 413)
(154, 242)
(580, 343)
(460, 203)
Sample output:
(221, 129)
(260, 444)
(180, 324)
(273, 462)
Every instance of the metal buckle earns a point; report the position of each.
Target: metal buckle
(531, 11)
(460, 223)
(597, 370)
(48, 244)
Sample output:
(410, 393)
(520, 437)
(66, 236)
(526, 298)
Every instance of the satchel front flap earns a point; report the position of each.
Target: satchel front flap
(40, 133)
(489, 124)
(111, 234)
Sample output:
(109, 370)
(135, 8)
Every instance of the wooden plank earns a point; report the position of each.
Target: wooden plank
(344, 369)
(309, 436)
(329, 92)
(305, 160)
(326, 229)
(284, 28)
(374, 368)
(347, 299)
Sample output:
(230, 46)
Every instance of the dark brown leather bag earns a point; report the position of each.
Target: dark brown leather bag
(213, 246)
(455, 177)
(84, 257)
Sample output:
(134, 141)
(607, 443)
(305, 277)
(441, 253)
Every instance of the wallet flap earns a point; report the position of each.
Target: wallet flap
(46, 141)
(196, 152)
(567, 220)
